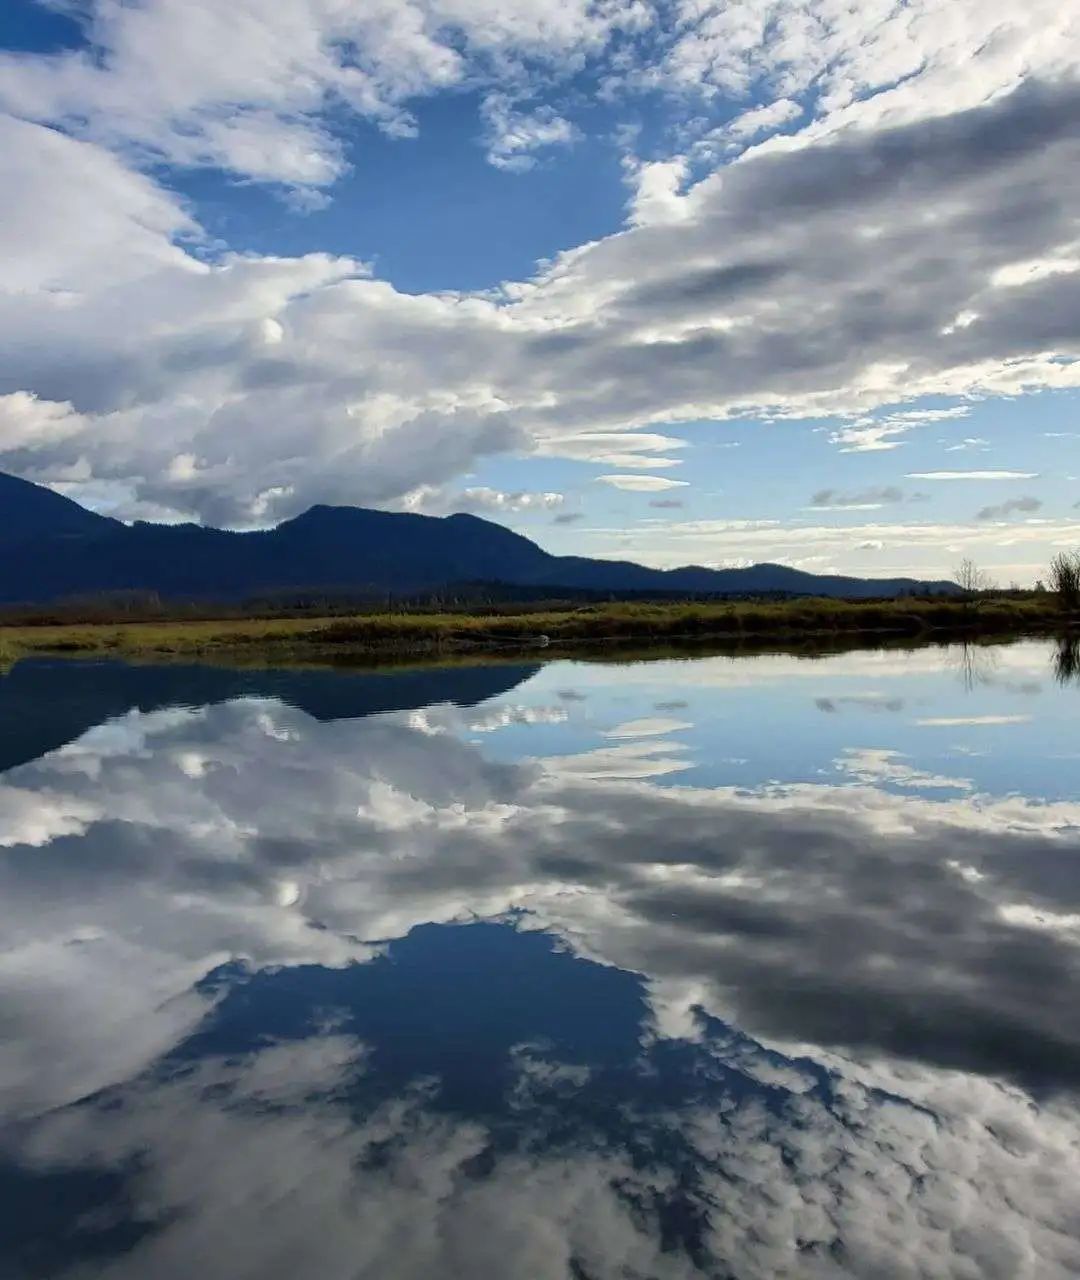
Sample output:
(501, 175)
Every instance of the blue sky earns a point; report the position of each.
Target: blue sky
(671, 281)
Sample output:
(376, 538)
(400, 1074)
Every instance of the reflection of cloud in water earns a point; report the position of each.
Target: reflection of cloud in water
(953, 722)
(647, 727)
(650, 759)
(877, 764)
(488, 719)
(548, 1135)
(445, 717)
(910, 959)
(860, 701)
(298, 840)
(877, 669)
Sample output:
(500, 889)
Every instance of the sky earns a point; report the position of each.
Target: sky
(681, 281)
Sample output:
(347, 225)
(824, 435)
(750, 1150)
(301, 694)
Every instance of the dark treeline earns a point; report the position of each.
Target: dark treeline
(494, 598)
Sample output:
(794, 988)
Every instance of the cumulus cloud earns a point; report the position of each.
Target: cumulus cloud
(871, 65)
(259, 91)
(281, 381)
(480, 500)
(658, 190)
(514, 136)
(765, 119)
(254, 90)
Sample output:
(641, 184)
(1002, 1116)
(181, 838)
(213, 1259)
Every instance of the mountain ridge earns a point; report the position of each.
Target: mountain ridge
(53, 548)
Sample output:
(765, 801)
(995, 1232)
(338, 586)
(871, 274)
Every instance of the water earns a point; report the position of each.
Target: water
(746, 968)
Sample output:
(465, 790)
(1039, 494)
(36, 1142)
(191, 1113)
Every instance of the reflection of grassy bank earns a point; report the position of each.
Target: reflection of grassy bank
(447, 634)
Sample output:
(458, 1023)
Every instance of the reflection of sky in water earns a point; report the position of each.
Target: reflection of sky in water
(480, 979)
(992, 714)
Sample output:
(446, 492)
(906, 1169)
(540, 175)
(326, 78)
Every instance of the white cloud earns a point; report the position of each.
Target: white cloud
(29, 423)
(872, 435)
(927, 550)
(514, 136)
(658, 196)
(952, 722)
(258, 90)
(641, 484)
(765, 119)
(636, 450)
(969, 442)
(972, 475)
(77, 220)
(481, 499)
(873, 64)
(252, 88)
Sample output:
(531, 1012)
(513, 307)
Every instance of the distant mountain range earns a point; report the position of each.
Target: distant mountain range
(52, 548)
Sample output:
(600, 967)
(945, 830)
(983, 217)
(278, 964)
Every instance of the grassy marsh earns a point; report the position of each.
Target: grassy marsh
(339, 637)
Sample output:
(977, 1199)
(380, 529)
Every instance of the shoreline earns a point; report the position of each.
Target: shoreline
(812, 623)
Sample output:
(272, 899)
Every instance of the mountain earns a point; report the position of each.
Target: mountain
(30, 511)
(51, 548)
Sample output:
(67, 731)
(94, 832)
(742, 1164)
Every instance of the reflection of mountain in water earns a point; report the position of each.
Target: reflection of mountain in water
(45, 703)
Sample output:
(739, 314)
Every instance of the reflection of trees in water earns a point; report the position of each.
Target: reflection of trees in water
(1067, 660)
(974, 664)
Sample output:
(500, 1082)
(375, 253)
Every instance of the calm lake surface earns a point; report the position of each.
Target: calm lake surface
(737, 968)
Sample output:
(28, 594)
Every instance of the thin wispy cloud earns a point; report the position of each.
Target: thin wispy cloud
(642, 484)
(955, 722)
(874, 435)
(972, 475)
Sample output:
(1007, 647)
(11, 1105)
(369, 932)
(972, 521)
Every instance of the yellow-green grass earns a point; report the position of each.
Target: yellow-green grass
(327, 637)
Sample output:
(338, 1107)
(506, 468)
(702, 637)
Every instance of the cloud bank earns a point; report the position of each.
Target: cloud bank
(141, 361)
